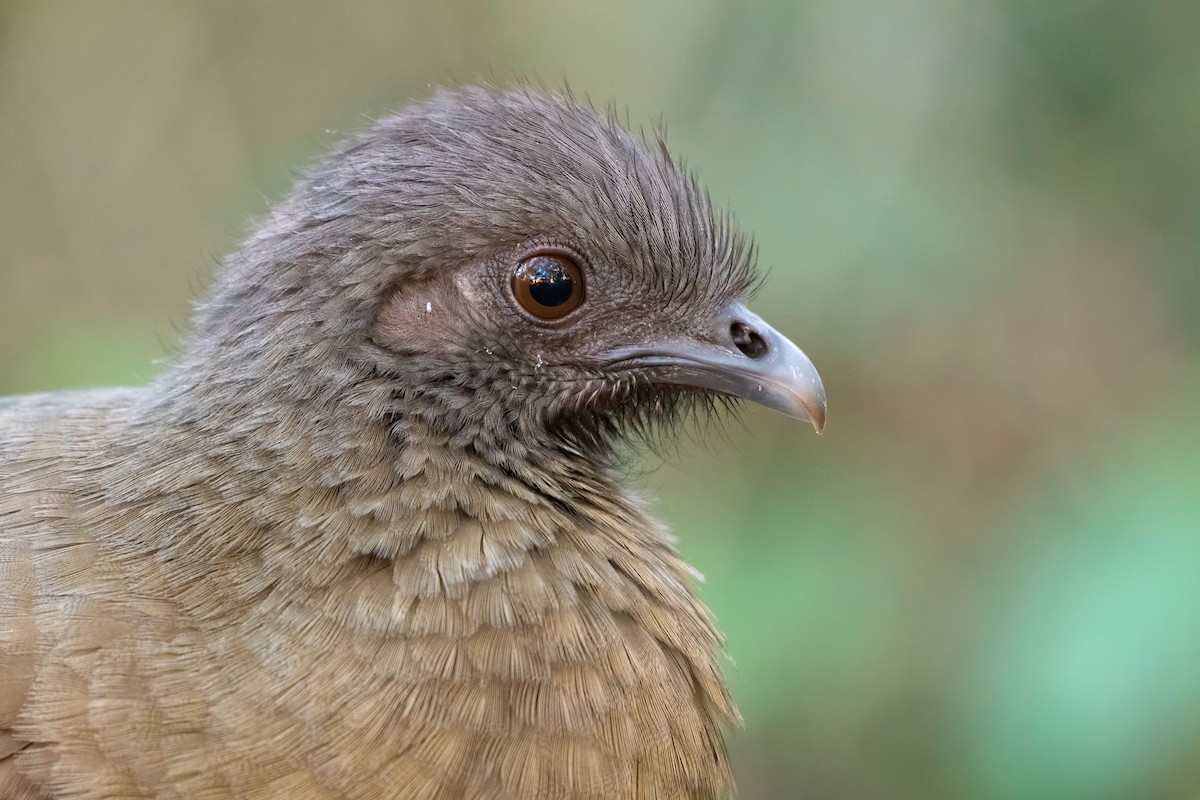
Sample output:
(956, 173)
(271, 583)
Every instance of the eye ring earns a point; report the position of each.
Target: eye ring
(548, 285)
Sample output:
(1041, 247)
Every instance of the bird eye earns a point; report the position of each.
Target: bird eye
(548, 286)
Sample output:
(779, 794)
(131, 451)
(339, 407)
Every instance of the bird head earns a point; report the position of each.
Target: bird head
(515, 260)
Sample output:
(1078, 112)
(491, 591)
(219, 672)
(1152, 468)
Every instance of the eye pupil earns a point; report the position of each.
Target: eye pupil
(548, 285)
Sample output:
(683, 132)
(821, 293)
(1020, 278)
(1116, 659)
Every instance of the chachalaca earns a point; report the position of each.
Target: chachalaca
(368, 537)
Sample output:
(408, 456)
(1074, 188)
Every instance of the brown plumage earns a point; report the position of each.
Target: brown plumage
(366, 539)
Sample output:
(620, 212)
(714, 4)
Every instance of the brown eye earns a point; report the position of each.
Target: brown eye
(548, 286)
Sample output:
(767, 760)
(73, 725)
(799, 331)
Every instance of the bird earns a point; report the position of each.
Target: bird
(371, 533)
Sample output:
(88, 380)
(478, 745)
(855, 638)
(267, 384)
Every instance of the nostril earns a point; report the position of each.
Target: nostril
(748, 341)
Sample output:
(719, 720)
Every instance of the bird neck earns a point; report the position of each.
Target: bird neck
(428, 580)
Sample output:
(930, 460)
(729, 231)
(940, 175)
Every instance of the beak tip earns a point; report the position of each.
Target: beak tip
(814, 413)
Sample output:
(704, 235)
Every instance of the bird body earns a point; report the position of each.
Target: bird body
(365, 539)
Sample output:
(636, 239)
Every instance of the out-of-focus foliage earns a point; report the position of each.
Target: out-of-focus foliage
(981, 220)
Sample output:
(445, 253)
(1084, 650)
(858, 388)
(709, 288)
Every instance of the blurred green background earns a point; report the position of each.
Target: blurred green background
(981, 220)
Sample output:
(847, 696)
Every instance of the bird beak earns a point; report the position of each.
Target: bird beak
(744, 357)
